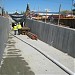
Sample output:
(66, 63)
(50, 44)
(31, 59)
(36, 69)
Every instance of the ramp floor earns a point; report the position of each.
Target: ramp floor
(21, 59)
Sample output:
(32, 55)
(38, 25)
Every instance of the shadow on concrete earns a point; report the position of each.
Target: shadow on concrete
(14, 50)
(15, 66)
(14, 63)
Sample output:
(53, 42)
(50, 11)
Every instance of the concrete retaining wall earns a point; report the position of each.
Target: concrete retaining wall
(61, 38)
(4, 31)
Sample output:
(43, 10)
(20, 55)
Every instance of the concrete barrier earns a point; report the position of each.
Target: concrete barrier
(71, 43)
(59, 37)
(4, 31)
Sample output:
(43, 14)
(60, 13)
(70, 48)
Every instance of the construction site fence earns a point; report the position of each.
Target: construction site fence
(4, 32)
(60, 37)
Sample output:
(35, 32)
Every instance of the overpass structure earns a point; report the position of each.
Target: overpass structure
(17, 17)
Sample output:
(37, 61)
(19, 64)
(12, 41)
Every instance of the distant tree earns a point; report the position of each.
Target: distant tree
(22, 12)
(73, 4)
(27, 10)
(64, 12)
(6, 12)
(73, 11)
(3, 11)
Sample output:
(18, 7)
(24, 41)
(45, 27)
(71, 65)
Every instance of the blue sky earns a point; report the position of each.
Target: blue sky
(41, 5)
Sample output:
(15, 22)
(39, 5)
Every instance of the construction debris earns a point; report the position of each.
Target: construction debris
(25, 30)
(32, 36)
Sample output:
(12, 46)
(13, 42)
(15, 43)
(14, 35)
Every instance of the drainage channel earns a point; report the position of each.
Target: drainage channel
(48, 57)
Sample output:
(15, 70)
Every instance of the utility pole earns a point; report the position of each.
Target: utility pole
(46, 16)
(0, 7)
(38, 11)
(2, 11)
(47, 10)
(59, 15)
(72, 8)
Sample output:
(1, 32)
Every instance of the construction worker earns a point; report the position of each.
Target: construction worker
(15, 29)
(19, 28)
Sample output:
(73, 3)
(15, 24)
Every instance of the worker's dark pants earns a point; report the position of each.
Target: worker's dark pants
(19, 31)
(15, 31)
